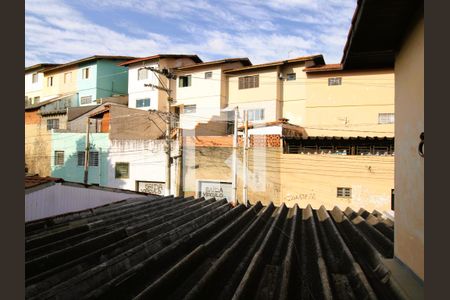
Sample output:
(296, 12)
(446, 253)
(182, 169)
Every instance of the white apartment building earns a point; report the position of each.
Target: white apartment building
(34, 82)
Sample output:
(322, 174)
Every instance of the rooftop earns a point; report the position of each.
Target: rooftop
(88, 59)
(324, 68)
(203, 248)
(244, 60)
(194, 57)
(318, 59)
(36, 180)
(40, 67)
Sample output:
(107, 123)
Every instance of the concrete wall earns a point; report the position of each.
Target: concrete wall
(350, 109)
(88, 86)
(146, 160)
(71, 143)
(409, 166)
(111, 79)
(60, 199)
(33, 90)
(37, 145)
(295, 178)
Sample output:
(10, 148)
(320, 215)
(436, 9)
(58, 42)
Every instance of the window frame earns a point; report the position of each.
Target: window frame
(52, 126)
(33, 81)
(344, 192)
(289, 76)
(81, 157)
(50, 81)
(57, 158)
(333, 81)
(66, 77)
(208, 75)
(120, 176)
(386, 118)
(85, 73)
(190, 110)
(143, 101)
(186, 80)
(248, 82)
(139, 74)
(252, 113)
(81, 99)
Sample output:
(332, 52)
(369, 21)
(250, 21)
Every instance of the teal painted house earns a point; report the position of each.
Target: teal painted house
(101, 77)
(68, 157)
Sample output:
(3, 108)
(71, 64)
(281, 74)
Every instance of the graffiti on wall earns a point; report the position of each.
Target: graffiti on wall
(152, 187)
(215, 189)
(297, 197)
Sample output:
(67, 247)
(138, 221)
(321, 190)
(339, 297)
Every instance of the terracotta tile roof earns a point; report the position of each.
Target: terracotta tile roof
(194, 57)
(324, 68)
(35, 180)
(40, 67)
(244, 60)
(208, 249)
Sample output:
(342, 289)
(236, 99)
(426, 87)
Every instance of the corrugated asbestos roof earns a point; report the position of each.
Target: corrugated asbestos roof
(173, 248)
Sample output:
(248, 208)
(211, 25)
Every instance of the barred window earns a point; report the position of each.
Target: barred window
(122, 170)
(344, 192)
(93, 158)
(59, 158)
(248, 82)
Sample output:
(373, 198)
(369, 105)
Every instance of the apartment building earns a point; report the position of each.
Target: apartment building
(88, 79)
(139, 75)
(34, 82)
(202, 92)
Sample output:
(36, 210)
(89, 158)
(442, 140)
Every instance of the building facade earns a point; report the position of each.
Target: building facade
(34, 83)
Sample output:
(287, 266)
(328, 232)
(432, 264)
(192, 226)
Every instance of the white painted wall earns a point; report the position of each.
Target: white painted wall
(146, 160)
(266, 130)
(33, 87)
(136, 88)
(60, 199)
(204, 93)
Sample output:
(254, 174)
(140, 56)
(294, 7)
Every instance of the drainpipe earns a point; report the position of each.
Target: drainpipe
(235, 147)
(86, 154)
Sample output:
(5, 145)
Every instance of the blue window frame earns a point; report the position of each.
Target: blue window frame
(143, 102)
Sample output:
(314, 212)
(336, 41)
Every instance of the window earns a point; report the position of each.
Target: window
(36, 99)
(344, 192)
(85, 73)
(80, 160)
(93, 158)
(335, 81)
(248, 82)
(52, 124)
(67, 77)
(59, 158)
(142, 74)
(143, 102)
(386, 118)
(291, 76)
(50, 81)
(208, 75)
(185, 81)
(122, 169)
(256, 114)
(86, 99)
(190, 109)
(34, 78)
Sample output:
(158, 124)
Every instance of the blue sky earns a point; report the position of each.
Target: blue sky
(62, 30)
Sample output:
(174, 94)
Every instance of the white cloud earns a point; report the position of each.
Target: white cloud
(58, 32)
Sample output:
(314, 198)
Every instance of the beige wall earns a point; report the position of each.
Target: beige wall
(59, 86)
(350, 109)
(37, 145)
(296, 178)
(294, 94)
(409, 166)
(265, 96)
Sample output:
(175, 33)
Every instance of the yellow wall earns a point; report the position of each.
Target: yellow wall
(297, 178)
(294, 94)
(350, 109)
(265, 96)
(409, 176)
(59, 86)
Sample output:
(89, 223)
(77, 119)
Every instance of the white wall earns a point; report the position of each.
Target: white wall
(204, 93)
(31, 87)
(146, 160)
(60, 199)
(136, 88)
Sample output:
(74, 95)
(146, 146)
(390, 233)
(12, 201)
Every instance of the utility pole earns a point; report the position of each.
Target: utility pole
(245, 158)
(168, 120)
(235, 147)
(86, 153)
(179, 175)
